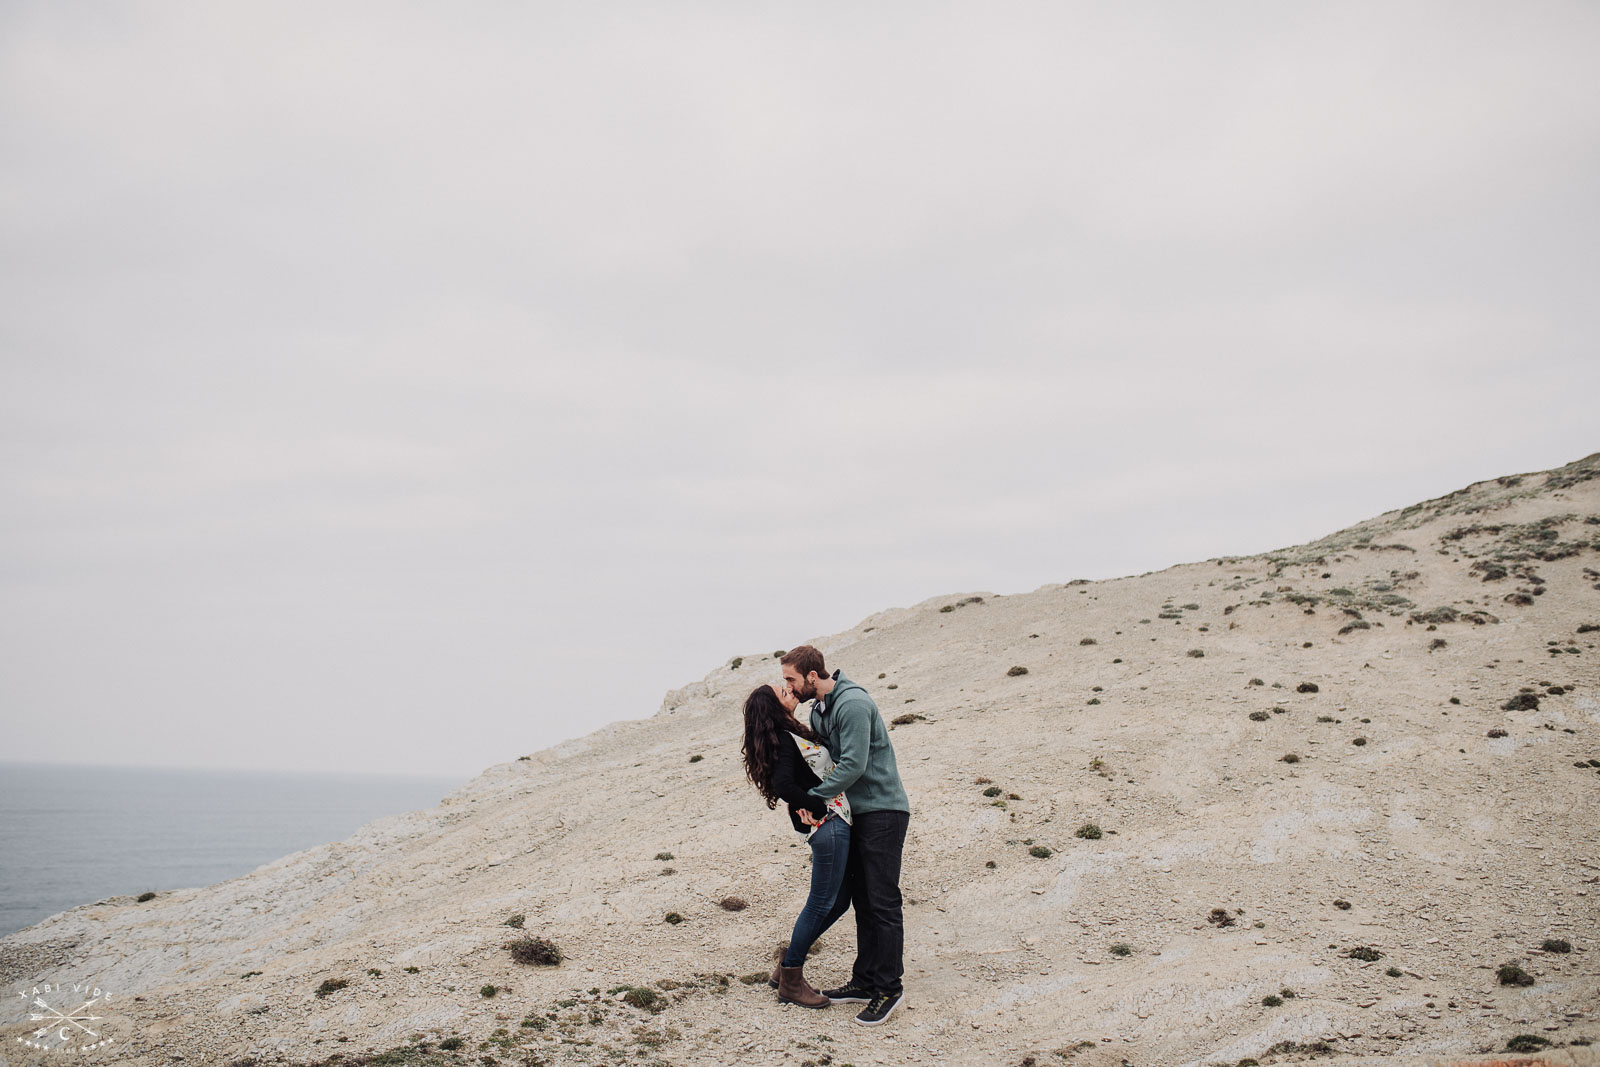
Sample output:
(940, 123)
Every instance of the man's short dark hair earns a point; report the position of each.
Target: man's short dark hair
(805, 659)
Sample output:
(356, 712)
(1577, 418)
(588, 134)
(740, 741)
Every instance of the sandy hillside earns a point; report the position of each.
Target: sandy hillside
(1433, 671)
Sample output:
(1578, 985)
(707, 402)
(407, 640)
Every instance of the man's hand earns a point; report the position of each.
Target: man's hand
(808, 818)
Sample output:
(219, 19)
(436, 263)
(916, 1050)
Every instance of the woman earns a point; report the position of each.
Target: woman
(785, 758)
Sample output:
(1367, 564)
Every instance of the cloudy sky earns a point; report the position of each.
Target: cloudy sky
(403, 387)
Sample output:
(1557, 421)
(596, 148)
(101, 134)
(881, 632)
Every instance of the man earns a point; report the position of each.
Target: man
(865, 770)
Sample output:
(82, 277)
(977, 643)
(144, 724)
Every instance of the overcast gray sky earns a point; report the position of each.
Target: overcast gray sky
(401, 387)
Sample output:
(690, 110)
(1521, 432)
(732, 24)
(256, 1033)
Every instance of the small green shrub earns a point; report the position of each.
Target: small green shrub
(1040, 852)
(1016, 672)
(1342, 905)
(1527, 1043)
(1121, 949)
(1552, 945)
(1259, 716)
(696, 758)
(646, 998)
(331, 985)
(1088, 831)
(1394, 972)
(738, 661)
(1366, 954)
(1307, 687)
(1271, 1000)
(672, 918)
(1511, 974)
(993, 791)
(535, 951)
(516, 921)
(1495, 731)
(1196, 653)
(146, 895)
(1289, 757)
(665, 856)
(1358, 741)
(488, 991)
(1087, 641)
(1219, 917)
(733, 903)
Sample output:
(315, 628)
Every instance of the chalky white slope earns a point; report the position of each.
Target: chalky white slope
(1432, 672)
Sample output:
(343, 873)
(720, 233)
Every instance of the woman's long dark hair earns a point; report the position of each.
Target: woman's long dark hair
(765, 722)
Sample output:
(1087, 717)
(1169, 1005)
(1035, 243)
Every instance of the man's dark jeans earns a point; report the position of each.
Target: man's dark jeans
(877, 839)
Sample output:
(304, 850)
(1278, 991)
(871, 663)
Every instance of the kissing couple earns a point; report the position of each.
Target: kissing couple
(837, 774)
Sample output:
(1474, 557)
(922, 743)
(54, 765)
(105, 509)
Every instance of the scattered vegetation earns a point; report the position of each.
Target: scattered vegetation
(1088, 831)
(535, 951)
(1527, 1043)
(1511, 974)
(645, 998)
(1436, 616)
(1365, 953)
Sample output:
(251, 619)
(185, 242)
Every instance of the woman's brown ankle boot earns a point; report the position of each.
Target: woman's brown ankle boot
(794, 989)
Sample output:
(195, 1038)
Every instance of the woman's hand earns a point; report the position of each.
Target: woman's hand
(786, 697)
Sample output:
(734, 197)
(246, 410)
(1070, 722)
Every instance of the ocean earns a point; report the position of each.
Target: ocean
(75, 834)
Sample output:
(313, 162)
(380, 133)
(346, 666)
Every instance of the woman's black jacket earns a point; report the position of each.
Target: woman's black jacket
(791, 777)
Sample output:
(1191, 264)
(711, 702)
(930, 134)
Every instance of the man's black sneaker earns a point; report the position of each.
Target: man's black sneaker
(849, 991)
(879, 1008)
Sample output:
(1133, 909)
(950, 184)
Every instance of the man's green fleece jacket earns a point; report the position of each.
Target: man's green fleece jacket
(863, 759)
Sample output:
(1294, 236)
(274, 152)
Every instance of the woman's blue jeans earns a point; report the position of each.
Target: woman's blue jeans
(830, 849)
